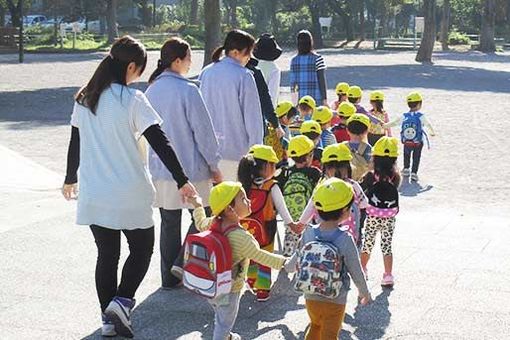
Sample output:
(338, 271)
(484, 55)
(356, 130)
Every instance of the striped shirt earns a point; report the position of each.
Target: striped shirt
(304, 77)
(244, 248)
(327, 138)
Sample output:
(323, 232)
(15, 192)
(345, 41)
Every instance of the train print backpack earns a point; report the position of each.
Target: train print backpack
(411, 133)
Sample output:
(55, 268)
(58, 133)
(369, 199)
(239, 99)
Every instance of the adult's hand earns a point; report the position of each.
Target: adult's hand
(187, 190)
(216, 176)
(70, 191)
(279, 132)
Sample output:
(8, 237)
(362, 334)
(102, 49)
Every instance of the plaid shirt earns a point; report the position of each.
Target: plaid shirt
(303, 75)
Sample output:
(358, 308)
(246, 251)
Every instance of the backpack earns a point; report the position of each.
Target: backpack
(262, 221)
(208, 262)
(276, 143)
(411, 133)
(382, 199)
(360, 165)
(341, 134)
(319, 269)
(296, 192)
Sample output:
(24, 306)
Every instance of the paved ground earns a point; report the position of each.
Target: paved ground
(452, 258)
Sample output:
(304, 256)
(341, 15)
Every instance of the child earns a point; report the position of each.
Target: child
(323, 115)
(312, 130)
(361, 151)
(332, 200)
(354, 96)
(229, 205)
(306, 106)
(345, 111)
(412, 134)
(377, 130)
(341, 91)
(286, 112)
(298, 183)
(255, 172)
(381, 186)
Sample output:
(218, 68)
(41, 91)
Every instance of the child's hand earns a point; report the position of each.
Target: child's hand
(299, 228)
(279, 132)
(365, 300)
(195, 201)
(289, 266)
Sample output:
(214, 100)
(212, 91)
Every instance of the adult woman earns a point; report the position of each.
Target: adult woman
(230, 93)
(188, 124)
(307, 70)
(116, 194)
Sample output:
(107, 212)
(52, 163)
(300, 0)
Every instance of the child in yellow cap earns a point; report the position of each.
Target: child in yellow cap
(377, 130)
(345, 111)
(256, 171)
(306, 106)
(361, 151)
(354, 96)
(325, 298)
(323, 116)
(229, 204)
(285, 112)
(341, 90)
(312, 130)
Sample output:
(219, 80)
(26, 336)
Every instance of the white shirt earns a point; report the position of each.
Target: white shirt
(272, 75)
(115, 187)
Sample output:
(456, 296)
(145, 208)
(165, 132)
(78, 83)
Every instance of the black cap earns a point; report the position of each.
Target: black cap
(267, 48)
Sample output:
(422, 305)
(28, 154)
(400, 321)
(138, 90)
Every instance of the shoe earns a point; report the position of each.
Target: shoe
(178, 285)
(406, 172)
(177, 272)
(108, 328)
(262, 295)
(414, 177)
(119, 312)
(388, 280)
(235, 336)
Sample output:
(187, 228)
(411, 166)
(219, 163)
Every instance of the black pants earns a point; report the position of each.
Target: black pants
(170, 245)
(415, 153)
(141, 244)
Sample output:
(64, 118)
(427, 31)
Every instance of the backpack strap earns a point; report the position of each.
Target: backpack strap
(362, 147)
(318, 235)
(216, 227)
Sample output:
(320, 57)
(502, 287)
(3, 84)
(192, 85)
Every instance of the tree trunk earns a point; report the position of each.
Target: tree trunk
(445, 25)
(15, 10)
(111, 18)
(2, 15)
(316, 25)
(212, 20)
(487, 43)
(146, 14)
(348, 21)
(193, 15)
(362, 20)
(429, 35)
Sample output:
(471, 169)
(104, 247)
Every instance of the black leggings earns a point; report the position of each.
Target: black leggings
(415, 153)
(141, 243)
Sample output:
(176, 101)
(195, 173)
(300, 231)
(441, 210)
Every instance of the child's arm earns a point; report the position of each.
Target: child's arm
(386, 120)
(202, 222)
(353, 265)
(250, 249)
(427, 124)
(395, 122)
(308, 213)
(362, 198)
(281, 207)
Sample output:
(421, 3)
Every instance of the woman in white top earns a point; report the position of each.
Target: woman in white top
(267, 51)
(108, 122)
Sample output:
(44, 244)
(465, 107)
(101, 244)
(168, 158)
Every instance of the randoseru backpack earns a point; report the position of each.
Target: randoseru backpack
(360, 165)
(208, 262)
(411, 133)
(382, 199)
(319, 269)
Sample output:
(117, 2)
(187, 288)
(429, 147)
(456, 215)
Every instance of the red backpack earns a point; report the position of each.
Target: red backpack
(208, 261)
(341, 134)
(262, 221)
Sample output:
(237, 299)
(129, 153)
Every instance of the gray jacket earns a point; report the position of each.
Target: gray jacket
(188, 125)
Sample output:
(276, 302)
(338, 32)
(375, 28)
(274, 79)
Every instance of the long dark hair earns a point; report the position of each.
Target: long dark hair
(112, 69)
(338, 166)
(173, 49)
(235, 40)
(304, 42)
(379, 106)
(249, 171)
(385, 169)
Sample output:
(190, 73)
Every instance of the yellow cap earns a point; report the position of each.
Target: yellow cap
(322, 115)
(386, 147)
(283, 108)
(355, 92)
(336, 152)
(222, 195)
(308, 100)
(376, 95)
(332, 194)
(414, 97)
(346, 109)
(342, 88)
(359, 117)
(264, 152)
(310, 126)
(299, 146)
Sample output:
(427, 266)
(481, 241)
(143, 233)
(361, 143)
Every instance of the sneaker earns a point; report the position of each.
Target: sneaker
(119, 312)
(178, 285)
(414, 177)
(406, 172)
(108, 328)
(177, 272)
(388, 280)
(235, 336)
(262, 295)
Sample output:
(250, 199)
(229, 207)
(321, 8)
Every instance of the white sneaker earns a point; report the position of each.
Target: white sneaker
(177, 272)
(406, 172)
(235, 336)
(119, 312)
(414, 177)
(388, 280)
(108, 328)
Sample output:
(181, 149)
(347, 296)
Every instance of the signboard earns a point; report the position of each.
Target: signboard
(325, 22)
(76, 27)
(419, 24)
(62, 30)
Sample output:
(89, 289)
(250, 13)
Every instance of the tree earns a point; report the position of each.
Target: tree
(193, 13)
(487, 43)
(15, 10)
(429, 34)
(111, 18)
(315, 7)
(212, 21)
(445, 25)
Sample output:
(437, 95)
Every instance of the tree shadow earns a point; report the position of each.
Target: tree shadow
(412, 189)
(35, 58)
(370, 322)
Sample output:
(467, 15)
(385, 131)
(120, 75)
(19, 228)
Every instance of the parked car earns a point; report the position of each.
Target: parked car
(32, 20)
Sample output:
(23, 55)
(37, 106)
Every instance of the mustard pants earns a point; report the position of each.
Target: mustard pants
(326, 320)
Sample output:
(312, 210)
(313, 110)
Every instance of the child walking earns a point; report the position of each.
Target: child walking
(312, 130)
(229, 204)
(361, 151)
(255, 172)
(323, 116)
(341, 90)
(412, 134)
(381, 186)
(326, 290)
(345, 111)
(354, 96)
(306, 106)
(377, 130)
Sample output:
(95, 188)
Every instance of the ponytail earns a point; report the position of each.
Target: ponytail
(173, 49)
(235, 40)
(249, 170)
(217, 54)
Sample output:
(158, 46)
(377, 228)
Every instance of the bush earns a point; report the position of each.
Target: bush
(457, 38)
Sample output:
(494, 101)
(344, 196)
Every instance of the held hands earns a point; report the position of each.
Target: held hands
(279, 132)
(195, 201)
(297, 227)
(70, 191)
(216, 176)
(187, 190)
(365, 300)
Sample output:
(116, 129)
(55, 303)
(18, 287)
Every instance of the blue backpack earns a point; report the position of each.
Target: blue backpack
(412, 132)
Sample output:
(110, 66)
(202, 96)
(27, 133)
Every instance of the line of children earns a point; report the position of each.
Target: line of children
(345, 111)
(377, 130)
(323, 116)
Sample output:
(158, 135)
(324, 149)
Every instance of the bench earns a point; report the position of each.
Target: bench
(9, 37)
(397, 44)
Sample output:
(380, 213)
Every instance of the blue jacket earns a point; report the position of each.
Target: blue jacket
(187, 124)
(231, 95)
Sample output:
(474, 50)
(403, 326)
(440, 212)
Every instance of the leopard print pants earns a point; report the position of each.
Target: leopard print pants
(374, 224)
(291, 242)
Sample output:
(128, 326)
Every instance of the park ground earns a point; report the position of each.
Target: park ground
(452, 259)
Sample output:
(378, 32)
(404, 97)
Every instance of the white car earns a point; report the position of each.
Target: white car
(32, 20)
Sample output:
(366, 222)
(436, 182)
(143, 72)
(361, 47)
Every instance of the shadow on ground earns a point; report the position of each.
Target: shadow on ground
(412, 189)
